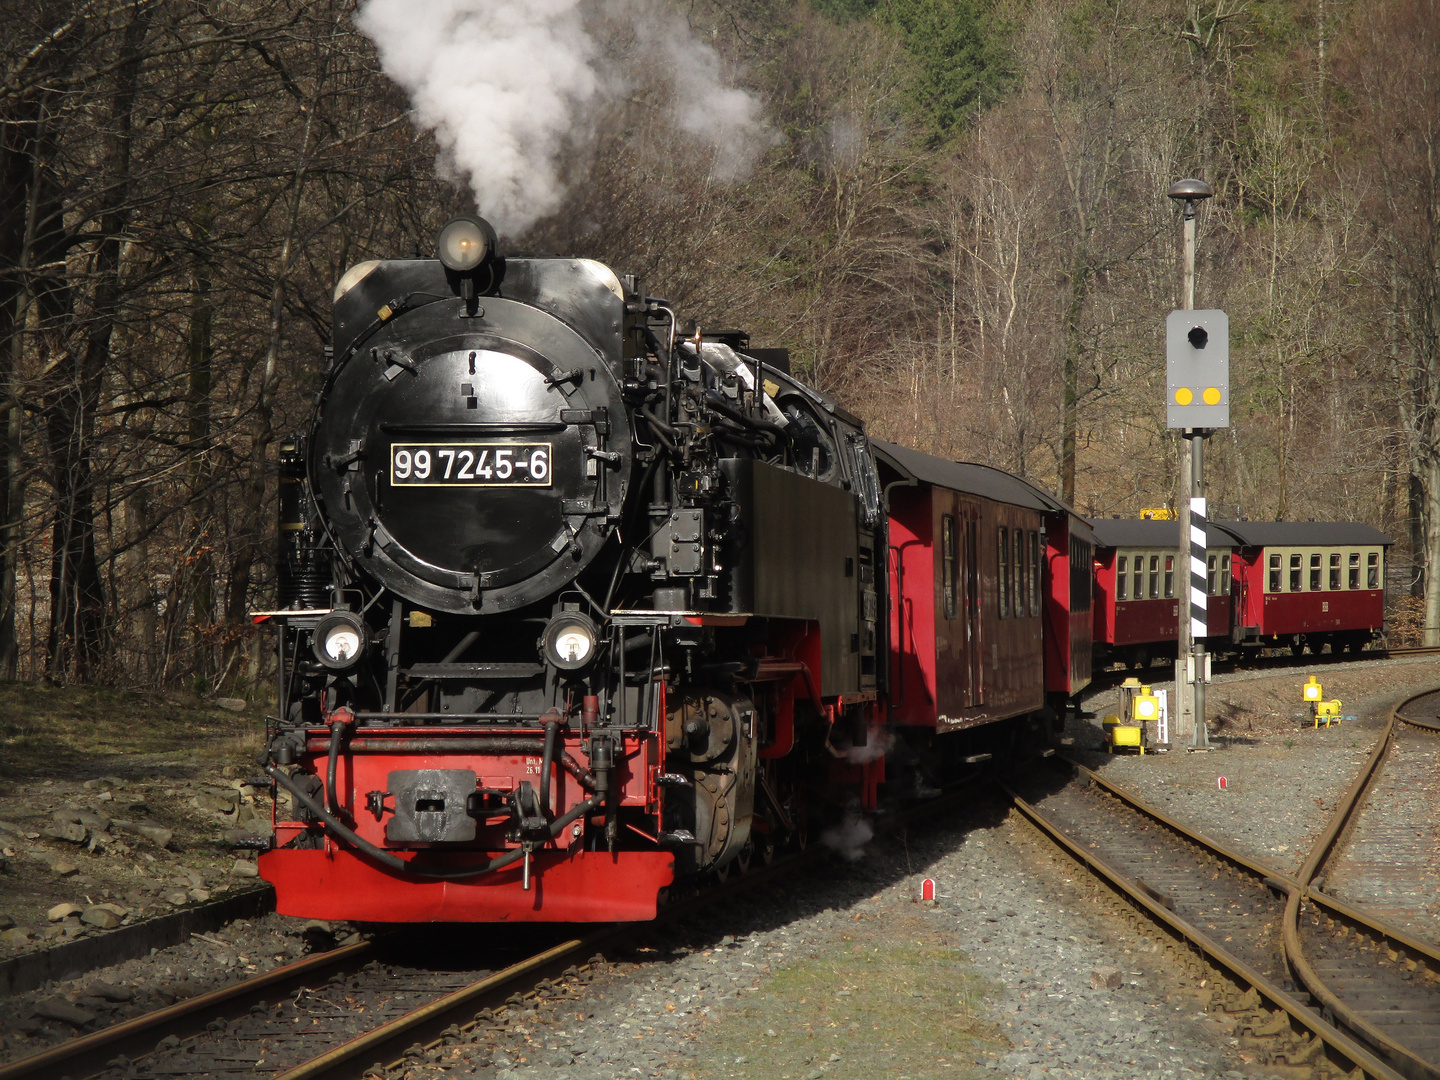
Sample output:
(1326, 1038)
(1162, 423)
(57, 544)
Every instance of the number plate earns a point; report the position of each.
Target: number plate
(470, 464)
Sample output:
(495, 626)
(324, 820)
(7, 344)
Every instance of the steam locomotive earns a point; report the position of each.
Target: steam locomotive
(575, 603)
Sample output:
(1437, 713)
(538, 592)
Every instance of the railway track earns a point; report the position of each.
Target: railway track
(362, 1003)
(365, 1005)
(1346, 990)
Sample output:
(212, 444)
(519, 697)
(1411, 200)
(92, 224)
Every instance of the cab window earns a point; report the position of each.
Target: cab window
(1003, 547)
(1022, 573)
(1034, 573)
(948, 558)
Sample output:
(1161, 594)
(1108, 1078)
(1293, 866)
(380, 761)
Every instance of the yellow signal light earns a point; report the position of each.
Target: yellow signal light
(1145, 706)
(1312, 690)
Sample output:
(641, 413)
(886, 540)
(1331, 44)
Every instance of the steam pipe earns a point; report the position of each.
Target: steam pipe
(547, 760)
(399, 865)
(337, 729)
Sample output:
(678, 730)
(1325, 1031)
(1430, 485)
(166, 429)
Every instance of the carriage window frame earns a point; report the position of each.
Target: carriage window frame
(1034, 572)
(1335, 576)
(1137, 579)
(1353, 577)
(1169, 577)
(1316, 571)
(1003, 573)
(1020, 573)
(949, 562)
(1297, 572)
(1372, 570)
(1224, 575)
(1153, 593)
(1122, 573)
(1212, 563)
(1277, 572)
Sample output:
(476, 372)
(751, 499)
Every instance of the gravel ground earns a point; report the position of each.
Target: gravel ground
(1022, 969)
(1283, 776)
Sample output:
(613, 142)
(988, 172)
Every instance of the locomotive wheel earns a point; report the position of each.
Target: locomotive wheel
(742, 861)
(767, 852)
(722, 873)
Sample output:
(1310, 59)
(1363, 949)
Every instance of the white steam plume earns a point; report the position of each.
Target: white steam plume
(849, 837)
(506, 84)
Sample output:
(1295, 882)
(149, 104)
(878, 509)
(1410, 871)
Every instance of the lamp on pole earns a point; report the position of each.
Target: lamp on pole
(1190, 653)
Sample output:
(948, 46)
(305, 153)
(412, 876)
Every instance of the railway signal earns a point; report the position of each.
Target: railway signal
(1190, 334)
(1197, 369)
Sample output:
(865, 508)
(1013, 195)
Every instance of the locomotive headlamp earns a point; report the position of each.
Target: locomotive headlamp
(340, 639)
(569, 641)
(465, 243)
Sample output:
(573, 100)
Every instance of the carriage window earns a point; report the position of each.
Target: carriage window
(1372, 570)
(1295, 573)
(1210, 575)
(1225, 572)
(1122, 564)
(1021, 575)
(1138, 592)
(947, 563)
(1154, 577)
(1274, 573)
(1003, 585)
(1334, 571)
(1169, 577)
(1315, 572)
(1034, 573)
(1354, 581)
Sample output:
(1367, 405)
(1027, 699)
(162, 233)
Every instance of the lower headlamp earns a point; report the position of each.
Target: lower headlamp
(340, 640)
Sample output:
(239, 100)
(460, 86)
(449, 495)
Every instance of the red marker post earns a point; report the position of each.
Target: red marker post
(1220, 783)
(927, 890)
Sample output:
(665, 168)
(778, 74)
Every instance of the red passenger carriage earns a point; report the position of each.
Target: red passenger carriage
(1309, 583)
(1138, 592)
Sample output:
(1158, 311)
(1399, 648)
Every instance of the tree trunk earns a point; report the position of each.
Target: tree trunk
(77, 597)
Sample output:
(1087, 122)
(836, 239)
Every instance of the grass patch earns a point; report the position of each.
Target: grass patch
(889, 1000)
(49, 732)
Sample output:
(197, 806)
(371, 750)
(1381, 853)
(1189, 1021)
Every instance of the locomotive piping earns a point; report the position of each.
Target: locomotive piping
(399, 865)
(547, 760)
(337, 729)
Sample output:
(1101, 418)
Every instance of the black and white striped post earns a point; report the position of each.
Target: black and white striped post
(1199, 593)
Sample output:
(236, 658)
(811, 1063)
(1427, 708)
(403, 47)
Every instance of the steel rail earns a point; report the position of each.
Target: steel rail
(438, 1012)
(1352, 1050)
(136, 1037)
(1407, 1060)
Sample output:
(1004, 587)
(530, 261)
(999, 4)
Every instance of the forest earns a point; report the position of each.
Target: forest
(952, 212)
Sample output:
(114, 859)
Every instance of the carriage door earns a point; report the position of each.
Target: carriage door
(974, 645)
